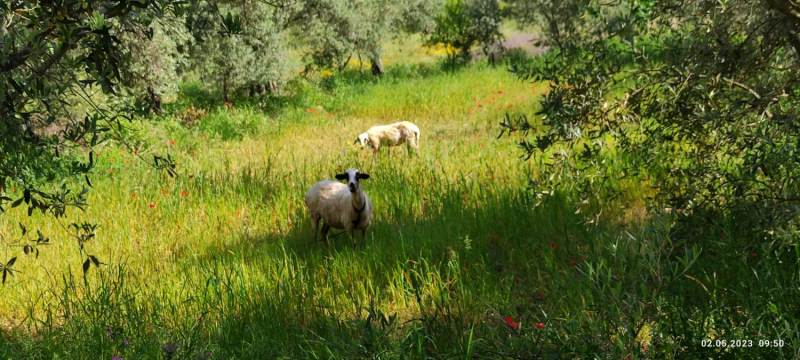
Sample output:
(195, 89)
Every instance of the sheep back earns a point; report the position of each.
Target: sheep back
(408, 132)
(385, 134)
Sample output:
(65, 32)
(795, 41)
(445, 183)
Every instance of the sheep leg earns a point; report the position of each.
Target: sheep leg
(376, 145)
(363, 237)
(314, 226)
(325, 228)
(353, 236)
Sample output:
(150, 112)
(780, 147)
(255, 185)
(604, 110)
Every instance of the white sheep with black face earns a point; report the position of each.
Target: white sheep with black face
(340, 206)
(391, 135)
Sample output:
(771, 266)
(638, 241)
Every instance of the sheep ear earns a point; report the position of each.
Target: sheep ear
(341, 176)
(363, 176)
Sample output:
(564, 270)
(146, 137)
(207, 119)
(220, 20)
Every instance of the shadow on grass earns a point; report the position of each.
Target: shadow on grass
(297, 311)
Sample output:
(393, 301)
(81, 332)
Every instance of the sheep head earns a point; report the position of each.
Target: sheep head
(352, 175)
(363, 139)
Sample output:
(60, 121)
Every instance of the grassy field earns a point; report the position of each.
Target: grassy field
(460, 261)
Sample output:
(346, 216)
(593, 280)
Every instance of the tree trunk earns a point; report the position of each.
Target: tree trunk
(225, 89)
(377, 66)
(153, 100)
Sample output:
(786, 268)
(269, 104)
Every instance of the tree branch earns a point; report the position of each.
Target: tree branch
(790, 8)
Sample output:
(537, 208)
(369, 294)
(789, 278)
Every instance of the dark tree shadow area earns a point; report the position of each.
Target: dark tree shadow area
(292, 314)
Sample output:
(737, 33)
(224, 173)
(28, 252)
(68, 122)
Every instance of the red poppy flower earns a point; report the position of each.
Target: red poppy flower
(540, 325)
(290, 223)
(152, 206)
(14, 189)
(499, 91)
(184, 192)
(572, 262)
(172, 142)
(753, 254)
(496, 235)
(582, 259)
(499, 108)
(516, 281)
(510, 321)
(541, 294)
(133, 195)
(112, 159)
(553, 245)
(238, 213)
(111, 170)
(480, 106)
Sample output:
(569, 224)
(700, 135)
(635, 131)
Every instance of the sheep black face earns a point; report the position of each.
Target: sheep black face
(352, 176)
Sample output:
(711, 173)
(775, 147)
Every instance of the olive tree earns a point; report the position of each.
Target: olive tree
(238, 44)
(698, 98)
(55, 56)
(464, 24)
(336, 31)
(157, 50)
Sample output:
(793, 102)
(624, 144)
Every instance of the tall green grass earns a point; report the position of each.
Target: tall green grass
(220, 260)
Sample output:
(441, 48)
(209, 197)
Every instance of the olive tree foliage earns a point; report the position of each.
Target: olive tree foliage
(55, 57)
(238, 45)
(698, 98)
(334, 32)
(463, 24)
(157, 50)
(557, 22)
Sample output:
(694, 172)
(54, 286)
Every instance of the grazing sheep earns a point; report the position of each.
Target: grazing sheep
(392, 135)
(340, 206)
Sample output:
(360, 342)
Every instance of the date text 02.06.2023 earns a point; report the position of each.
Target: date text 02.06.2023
(741, 343)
